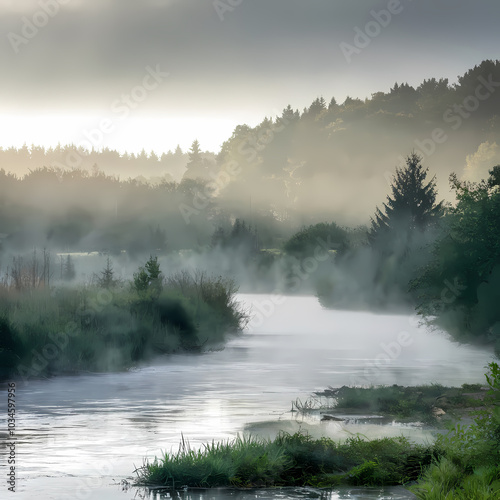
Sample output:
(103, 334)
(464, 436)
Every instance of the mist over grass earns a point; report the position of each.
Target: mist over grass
(72, 329)
(293, 205)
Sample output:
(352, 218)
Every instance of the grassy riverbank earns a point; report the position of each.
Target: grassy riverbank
(463, 464)
(91, 328)
(432, 404)
(290, 460)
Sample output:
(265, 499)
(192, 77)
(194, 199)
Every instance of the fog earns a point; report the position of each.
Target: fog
(294, 193)
(330, 162)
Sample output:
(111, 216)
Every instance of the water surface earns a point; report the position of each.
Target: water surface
(81, 437)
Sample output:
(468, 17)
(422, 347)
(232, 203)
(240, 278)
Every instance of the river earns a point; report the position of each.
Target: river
(81, 437)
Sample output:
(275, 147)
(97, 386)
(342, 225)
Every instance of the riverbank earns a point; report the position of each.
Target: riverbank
(115, 419)
(434, 405)
(81, 329)
(462, 463)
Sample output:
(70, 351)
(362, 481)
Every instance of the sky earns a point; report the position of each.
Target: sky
(130, 74)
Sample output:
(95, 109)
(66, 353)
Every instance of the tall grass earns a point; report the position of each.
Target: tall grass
(415, 403)
(87, 328)
(463, 465)
(296, 460)
(469, 467)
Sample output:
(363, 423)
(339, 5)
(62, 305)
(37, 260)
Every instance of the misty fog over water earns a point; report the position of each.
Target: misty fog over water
(250, 248)
(84, 432)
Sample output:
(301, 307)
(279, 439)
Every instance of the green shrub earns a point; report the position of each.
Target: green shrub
(111, 329)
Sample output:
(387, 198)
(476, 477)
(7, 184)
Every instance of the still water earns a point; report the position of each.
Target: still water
(82, 437)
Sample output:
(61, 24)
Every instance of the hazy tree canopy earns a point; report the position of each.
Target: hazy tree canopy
(462, 283)
(411, 206)
(300, 166)
(240, 235)
(323, 235)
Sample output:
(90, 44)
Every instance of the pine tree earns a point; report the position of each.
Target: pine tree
(68, 271)
(148, 279)
(411, 206)
(107, 278)
(196, 167)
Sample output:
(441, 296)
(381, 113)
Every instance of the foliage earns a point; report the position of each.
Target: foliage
(240, 237)
(316, 236)
(296, 460)
(106, 278)
(461, 285)
(415, 403)
(81, 328)
(468, 466)
(148, 279)
(410, 209)
(463, 464)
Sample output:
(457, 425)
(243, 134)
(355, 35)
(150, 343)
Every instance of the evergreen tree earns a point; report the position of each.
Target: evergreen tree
(148, 279)
(196, 167)
(289, 114)
(68, 269)
(333, 104)
(411, 206)
(107, 278)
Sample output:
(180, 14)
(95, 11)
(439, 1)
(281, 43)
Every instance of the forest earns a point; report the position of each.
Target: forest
(291, 205)
(110, 261)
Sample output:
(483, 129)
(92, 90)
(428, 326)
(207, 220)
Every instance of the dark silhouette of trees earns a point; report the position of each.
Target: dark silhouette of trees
(148, 279)
(411, 206)
(68, 272)
(197, 167)
(461, 285)
(240, 236)
(106, 278)
(319, 236)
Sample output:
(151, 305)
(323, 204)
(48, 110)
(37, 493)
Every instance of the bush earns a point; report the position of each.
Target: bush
(44, 332)
(322, 235)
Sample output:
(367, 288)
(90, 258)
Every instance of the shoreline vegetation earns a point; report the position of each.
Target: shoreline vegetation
(432, 404)
(112, 325)
(461, 464)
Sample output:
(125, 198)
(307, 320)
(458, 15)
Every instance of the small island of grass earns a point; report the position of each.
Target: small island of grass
(462, 464)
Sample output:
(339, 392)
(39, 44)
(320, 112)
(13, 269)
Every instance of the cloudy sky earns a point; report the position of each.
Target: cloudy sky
(155, 73)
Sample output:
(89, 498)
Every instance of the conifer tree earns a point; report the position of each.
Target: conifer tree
(410, 207)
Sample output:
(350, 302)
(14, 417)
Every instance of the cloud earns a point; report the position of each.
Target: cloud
(92, 51)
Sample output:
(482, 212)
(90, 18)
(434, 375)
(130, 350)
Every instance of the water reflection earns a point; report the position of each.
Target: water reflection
(79, 432)
(347, 493)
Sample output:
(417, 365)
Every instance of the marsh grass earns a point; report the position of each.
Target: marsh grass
(463, 464)
(288, 460)
(86, 328)
(469, 465)
(403, 403)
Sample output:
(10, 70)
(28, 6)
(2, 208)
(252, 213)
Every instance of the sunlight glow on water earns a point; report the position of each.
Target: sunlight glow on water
(87, 433)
